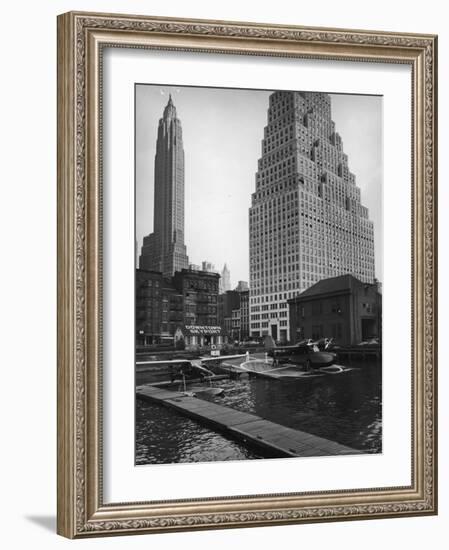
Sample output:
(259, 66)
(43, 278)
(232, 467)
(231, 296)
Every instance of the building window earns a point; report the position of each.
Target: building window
(317, 332)
(336, 331)
(336, 308)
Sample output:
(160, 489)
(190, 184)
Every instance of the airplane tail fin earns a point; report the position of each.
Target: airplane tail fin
(328, 342)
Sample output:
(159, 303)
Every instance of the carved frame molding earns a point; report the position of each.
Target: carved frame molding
(81, 38)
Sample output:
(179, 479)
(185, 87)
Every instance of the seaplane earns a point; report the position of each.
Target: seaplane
(308, 354)
(306, 359)
(183, 372)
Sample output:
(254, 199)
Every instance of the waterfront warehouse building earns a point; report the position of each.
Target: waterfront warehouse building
(306, 220)
(343, 308)
(164, 249)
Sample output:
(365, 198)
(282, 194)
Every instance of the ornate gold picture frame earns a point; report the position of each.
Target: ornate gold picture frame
(82, 40)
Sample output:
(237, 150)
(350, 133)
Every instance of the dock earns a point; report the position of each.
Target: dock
(244, 427)
(359, 352)
(177, 383)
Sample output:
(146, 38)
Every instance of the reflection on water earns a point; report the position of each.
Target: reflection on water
(345, 408)
(165, 437)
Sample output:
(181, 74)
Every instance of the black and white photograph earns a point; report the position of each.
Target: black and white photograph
(258, 274)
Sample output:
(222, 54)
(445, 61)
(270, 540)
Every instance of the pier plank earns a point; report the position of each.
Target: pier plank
(245, 426)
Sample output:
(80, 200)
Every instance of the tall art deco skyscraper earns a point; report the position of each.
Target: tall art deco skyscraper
(306, 220)
(164, 249)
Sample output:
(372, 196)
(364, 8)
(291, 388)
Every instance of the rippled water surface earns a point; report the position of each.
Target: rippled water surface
(345, 408)
(164, 436)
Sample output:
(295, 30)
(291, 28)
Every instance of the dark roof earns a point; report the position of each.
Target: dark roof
(196, 274)
(148, 272)
(329, 286)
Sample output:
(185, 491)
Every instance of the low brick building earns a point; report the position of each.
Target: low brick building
(233, 314)
(244, 314)
(199, 291)
(342, 308)
(180, 310)
(159, 308)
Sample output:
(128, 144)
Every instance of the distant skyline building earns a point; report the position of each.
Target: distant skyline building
(209, 267)
(306, 219)
(164, 249)
(242, 286)
(225, 279)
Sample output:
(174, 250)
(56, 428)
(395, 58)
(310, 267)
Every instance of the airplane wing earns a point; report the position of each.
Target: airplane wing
(204, 359)
(178, 361)
(172, 361)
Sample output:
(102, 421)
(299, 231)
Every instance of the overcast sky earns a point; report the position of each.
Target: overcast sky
(222, 133)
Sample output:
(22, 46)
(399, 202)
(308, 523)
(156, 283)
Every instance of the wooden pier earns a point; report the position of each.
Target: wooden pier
(245, 427)
(360, 352)
(178, 383)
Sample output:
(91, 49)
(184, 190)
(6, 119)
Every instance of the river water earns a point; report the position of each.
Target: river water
(345, 408)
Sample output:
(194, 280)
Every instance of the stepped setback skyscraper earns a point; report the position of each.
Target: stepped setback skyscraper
(164, 249)
(306, 220)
